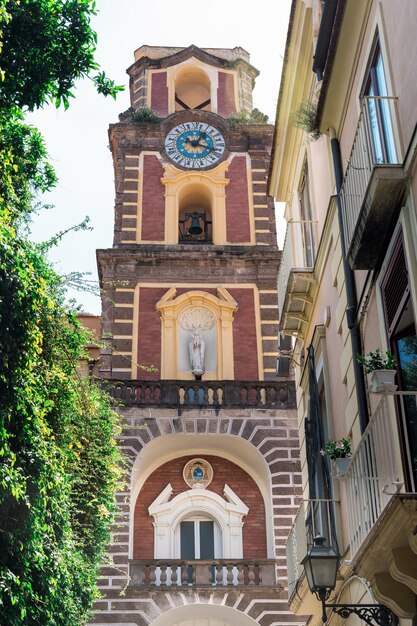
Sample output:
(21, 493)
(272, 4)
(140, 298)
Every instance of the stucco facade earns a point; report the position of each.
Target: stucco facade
(347, 285)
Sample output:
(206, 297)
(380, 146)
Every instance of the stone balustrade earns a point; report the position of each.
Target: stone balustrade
(215, 394)
(213, 573)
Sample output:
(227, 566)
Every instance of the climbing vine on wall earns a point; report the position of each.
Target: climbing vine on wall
(59, 463)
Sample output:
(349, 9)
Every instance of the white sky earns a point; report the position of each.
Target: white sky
(77, 138)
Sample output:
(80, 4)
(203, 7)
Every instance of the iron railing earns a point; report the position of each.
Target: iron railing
(375, 473)
(314, 517)
(374, 145)
(298, 255)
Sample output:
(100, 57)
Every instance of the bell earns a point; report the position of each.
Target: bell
(195, 228)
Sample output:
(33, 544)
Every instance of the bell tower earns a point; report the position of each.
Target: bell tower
(190, 320)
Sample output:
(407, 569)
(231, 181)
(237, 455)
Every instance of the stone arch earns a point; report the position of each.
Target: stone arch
(195, 199)
(227, 514)
(159, 450)
(192, 88)
(207, 187)
(203, 615)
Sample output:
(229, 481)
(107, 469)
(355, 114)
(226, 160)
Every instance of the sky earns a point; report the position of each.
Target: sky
(77, 139)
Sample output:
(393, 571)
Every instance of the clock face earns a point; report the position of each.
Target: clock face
(194, 145)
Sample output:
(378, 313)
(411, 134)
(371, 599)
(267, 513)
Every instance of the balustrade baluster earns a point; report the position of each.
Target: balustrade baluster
(152, 575)
(229, 576)
(251, 574)
(219, 574)
(240, 573)
(163, 577)
(184, 574)
(174, 575)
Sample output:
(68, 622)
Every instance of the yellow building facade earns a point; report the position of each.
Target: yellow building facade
(344, 164)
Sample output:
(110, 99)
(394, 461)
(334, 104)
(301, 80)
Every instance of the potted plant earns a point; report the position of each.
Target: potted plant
(339, 452)
(381, 370)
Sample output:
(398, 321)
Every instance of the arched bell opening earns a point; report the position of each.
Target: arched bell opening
(195, 224)
(192, 90)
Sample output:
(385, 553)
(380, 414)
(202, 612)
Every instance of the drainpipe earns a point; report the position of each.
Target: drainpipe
(352, 301)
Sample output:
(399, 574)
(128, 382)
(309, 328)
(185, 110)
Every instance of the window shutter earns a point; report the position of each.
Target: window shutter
(395, 286)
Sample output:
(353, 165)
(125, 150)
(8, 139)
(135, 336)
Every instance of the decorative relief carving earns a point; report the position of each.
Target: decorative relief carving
(198, 473)
(197, 318)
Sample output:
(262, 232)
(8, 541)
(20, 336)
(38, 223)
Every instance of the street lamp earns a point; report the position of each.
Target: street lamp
(320, 566)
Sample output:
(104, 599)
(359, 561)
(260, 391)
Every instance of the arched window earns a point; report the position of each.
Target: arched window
(195, 215)
(198, 524)
(192, 90)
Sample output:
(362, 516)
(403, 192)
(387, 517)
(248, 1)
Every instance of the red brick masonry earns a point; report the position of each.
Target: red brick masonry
(153, 200)
(237, 202)
(225, 472)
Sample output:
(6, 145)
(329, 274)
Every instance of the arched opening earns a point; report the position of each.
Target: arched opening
(192, 90)
(195, 223)
(204, 614)
(163, 451)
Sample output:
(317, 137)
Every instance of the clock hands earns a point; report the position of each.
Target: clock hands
(193, 147)
(196, 142)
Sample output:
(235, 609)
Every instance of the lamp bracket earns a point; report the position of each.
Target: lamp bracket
(370, 613)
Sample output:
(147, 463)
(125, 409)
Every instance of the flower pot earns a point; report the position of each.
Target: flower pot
(382, 381)
(341, 466)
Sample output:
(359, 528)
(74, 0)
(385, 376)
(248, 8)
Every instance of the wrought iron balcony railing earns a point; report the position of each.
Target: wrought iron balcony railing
(215, 394)
(372, 183)
(375, 473)
(296, 273)
(314, 517)
(213, 573)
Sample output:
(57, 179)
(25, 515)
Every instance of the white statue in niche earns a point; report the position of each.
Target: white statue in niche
(197, 348)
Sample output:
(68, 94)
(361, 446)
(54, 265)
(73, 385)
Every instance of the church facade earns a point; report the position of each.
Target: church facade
(190, 322)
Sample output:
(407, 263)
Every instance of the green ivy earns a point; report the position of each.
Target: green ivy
(59, 463)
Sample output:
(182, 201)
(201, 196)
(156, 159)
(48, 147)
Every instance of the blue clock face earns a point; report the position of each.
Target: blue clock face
(195, 145)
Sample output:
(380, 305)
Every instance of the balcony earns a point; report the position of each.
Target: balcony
(314, 517)
(373, 183)
(160, 574)
(200, 394)
(296, 278)
(382, 518)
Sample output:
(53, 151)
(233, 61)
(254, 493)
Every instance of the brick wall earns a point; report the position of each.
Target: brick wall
(153, 200)
(245, 346)
(237, 202)
(225, 472)
(226, 95)
(149, 339)
(159, 94)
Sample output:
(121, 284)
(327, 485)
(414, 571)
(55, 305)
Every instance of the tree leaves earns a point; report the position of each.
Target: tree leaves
(59, 461)
(47, 45)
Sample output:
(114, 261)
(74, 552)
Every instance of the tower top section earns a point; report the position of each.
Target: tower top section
(165, 52)
(171, 79)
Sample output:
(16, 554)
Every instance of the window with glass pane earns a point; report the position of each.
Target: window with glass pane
(307, 226)
(378, 110)
(401, 329)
